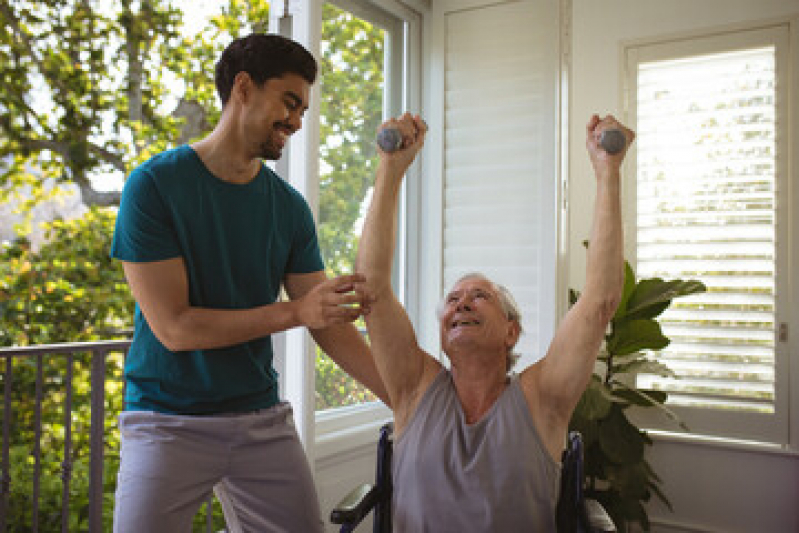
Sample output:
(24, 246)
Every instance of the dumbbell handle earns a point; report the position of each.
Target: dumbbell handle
(612, 141)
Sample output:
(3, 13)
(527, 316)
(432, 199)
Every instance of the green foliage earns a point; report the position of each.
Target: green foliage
(335, 388)
(83, 80)
(351, 78)
(93, 88)
(68, 290)
(616, 469)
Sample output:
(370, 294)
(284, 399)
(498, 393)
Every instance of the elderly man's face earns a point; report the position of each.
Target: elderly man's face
(473, 316)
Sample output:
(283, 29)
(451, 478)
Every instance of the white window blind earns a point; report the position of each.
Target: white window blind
(707, 165)
(500, 150)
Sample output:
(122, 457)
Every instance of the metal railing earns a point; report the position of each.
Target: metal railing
(29, 362)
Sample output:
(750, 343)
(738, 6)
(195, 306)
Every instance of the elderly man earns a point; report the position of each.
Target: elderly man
(476, 449)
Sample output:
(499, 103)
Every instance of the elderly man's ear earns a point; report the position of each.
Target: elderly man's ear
(514, 330)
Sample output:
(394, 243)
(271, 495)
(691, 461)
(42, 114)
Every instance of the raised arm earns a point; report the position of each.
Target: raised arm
(555, 384)
(405, 368)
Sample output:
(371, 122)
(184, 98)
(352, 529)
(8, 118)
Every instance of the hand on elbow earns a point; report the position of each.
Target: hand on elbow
(335, 301)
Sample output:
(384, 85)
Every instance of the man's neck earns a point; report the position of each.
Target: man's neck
(224, 156)
(478, 383)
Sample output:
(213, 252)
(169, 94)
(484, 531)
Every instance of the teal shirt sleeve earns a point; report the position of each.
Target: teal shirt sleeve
(144, 231)
(305, 255)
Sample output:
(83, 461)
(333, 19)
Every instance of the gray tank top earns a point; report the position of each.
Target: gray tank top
(494, 476)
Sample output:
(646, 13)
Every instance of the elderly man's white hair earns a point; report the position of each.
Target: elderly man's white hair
(506, 301)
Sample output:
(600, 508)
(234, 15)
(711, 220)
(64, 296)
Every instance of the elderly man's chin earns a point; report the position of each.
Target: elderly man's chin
(460, 338)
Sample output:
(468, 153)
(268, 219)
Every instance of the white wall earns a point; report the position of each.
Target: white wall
(713, 487)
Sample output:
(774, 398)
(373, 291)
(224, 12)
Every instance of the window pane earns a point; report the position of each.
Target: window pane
(706, 210)
(352, 95)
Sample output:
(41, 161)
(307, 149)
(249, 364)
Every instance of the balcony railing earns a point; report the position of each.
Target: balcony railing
(52, 369)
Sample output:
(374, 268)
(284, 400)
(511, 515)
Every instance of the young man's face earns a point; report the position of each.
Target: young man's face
(273, 112)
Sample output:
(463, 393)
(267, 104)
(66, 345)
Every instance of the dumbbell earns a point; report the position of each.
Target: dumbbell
(389, 139)
(612, 141)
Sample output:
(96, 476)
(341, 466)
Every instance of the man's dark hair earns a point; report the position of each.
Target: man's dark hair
(262, 56)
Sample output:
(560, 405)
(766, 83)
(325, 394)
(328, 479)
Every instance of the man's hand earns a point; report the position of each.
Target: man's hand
(335, 301)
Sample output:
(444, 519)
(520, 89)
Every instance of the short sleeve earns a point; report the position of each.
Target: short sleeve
(144, 231)
(305, 256)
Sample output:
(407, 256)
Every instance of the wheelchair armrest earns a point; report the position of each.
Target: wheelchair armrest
(598, 518)
(355, 505)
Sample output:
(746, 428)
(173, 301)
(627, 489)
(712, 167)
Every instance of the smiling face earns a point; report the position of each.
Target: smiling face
(269, 114)
(472, 316)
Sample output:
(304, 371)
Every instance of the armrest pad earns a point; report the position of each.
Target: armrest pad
(355, 505)
(598, 517)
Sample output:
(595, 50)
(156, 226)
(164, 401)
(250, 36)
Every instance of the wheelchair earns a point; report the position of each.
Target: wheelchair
(574, 513)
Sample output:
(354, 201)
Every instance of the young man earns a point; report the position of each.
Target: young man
(476, 449)
(207, 235)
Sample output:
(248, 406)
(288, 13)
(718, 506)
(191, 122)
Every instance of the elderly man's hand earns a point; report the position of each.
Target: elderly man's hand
(601, 160)
(413, 130)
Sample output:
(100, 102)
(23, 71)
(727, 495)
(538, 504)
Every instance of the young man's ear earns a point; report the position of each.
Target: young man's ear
(242, 85)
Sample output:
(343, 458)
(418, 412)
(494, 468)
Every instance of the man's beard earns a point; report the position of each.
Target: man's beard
(268, 149)
(269, 152)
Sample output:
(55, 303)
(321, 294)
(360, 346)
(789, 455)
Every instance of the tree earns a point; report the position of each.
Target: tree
(40, 291)
(95, 87)
(90, 89)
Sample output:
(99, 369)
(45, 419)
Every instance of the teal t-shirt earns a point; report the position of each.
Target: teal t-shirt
(238, 242)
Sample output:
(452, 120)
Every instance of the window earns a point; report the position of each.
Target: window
(500, 157)
(711, 181)
(368, 51)
(361, 83)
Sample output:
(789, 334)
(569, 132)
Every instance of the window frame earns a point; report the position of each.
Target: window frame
(326, 432)
(771, 428)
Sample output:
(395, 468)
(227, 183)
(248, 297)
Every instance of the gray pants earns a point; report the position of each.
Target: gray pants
(254, 462)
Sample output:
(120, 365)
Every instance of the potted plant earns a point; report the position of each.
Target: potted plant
(617, 473)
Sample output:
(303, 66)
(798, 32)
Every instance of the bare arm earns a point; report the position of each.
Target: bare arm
(406, 369)
(341, 342)
(162, 291)
(555, 384)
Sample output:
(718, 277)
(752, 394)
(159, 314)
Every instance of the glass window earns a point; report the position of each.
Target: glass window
(709, 166)
(355, 77)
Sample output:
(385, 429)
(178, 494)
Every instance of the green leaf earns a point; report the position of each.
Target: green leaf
(588, 428)
(631, 480)
(644, 398)
(653, 398)
(634, 336)
(645, 366)
(594, 404)
(662, 497)
(620, 441)
(652, 296)
(573, 297)
(627, 291)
